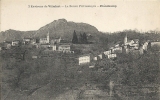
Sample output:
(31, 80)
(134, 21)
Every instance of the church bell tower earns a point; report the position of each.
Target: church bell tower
(48, 37)
(125, 40)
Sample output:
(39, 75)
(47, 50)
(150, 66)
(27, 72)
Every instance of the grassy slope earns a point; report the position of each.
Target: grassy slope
(49, 77)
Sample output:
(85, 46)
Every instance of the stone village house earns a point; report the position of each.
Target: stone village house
(15, 43)
(64, 48)
(84, 59)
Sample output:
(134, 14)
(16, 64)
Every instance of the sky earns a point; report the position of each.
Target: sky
(141, 15)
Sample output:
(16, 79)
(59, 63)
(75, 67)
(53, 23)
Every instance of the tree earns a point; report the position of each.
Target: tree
(81, 38)
(37, 40)
(84, 38)
(74, 39)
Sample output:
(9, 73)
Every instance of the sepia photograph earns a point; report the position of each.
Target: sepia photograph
(80, 50)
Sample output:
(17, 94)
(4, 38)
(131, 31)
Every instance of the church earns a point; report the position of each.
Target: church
(134, 44)
(44, 40)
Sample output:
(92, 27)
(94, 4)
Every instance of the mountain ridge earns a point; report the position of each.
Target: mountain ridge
(56, 28)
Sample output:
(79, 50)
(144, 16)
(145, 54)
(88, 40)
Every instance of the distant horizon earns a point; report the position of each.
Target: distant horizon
(127, 15)
(89, 24)
(157, 30)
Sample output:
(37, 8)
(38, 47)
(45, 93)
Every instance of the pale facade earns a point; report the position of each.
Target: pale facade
(107, 52)
(15, 43)
(84, 59)
(145, 46)
(95, 58)
(54, 47)
(112, 56)
(64, 48)
(117, 50)
(125, 40)
(100, 56)
(26, 40)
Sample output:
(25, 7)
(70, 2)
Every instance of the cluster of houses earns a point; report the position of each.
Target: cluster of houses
(60, 45)
(15, 43)
(129, 46)
(88, 58)
(56, 44)
(134, 46)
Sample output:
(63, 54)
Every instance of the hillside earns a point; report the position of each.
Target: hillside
(65, 29)
(56, 28)
(10, 35)
(61, 78)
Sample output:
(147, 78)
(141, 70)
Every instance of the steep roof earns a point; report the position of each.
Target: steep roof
(136, 40)
(64, 45)
(85, 55)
